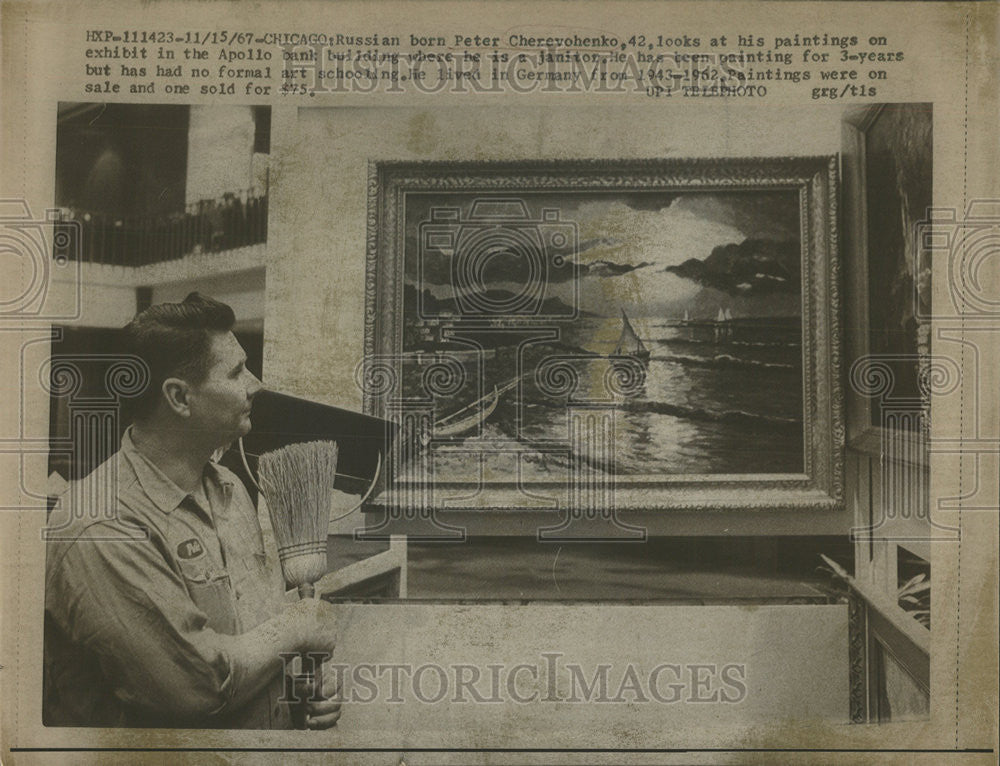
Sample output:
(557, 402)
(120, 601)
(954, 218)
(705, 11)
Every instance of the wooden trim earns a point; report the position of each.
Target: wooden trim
(392, 560)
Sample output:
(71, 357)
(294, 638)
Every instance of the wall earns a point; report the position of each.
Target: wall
(791, 660)
(106, 294)
(220, 151)
(243, 290)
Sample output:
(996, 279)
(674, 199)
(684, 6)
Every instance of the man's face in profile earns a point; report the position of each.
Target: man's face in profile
(221, 402)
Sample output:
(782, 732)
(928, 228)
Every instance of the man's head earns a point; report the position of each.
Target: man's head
(198, 377)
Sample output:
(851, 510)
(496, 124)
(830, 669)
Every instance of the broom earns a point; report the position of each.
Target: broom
(297, 481)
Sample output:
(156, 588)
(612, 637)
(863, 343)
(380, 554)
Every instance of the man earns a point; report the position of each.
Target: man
(170, 611)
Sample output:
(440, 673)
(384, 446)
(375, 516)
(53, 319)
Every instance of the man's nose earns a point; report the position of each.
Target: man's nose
(255, 386)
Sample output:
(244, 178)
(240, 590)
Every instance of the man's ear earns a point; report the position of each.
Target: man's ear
(175, 391)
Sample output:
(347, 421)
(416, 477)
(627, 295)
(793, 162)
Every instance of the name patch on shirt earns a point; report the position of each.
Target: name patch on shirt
(190, 549)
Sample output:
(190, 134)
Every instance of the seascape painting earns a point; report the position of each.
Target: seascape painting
(693, 298)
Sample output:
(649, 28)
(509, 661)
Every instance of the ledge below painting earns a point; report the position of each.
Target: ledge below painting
(681, 571)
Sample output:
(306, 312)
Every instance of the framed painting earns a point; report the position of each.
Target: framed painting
(642, 334)
(888, 172)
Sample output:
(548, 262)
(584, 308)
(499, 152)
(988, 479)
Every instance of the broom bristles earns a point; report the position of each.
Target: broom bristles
(297, 481)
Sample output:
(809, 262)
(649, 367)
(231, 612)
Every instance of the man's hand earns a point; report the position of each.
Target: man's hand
(312, 625)
(321, 714)
(309, 625)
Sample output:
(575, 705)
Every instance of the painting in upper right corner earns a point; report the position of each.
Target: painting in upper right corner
(888, 185)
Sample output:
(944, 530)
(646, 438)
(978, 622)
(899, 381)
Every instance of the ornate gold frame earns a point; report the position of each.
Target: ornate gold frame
(819, 487)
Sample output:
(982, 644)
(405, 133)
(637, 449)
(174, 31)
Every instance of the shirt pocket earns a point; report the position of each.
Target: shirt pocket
(248, 565)
(246, 555)
(212, 593)
(258, 587)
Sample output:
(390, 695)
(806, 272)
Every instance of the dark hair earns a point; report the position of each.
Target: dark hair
(174, 340)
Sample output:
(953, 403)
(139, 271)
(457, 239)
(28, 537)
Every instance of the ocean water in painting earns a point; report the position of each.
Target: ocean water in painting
(696, 295)
(715, 399)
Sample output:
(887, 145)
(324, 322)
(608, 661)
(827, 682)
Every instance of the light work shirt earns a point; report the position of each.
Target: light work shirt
(137, 604)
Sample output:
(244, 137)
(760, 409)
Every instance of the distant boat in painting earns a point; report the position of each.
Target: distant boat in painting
(723, 326)
(630, 344)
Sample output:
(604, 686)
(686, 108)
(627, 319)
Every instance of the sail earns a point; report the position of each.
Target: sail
(721, 316)
(687, 316)
(729, 315)
(629, 344)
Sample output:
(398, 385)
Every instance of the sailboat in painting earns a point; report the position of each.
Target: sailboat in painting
(629, 344)
(472, 415)
(723, 324)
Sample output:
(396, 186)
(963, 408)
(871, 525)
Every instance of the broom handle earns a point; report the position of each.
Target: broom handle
(307, 590)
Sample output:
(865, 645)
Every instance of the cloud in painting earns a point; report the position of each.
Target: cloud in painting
(651, 252)
(505, 265)
(757, 215)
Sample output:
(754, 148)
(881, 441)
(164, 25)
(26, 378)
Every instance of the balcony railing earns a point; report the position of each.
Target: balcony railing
(233, 220)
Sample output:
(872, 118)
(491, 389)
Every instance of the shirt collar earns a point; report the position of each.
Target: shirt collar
(157, 486)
